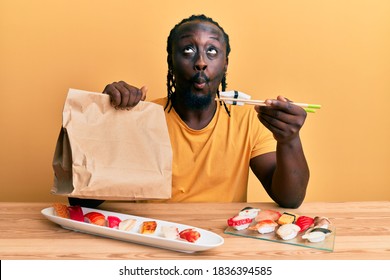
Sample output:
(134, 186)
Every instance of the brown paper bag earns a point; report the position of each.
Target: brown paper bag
(109, 154)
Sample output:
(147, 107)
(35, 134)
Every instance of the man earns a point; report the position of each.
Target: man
(214, 144)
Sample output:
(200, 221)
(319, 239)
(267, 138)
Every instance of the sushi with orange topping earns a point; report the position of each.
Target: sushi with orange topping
(265, 226)
(95, 218)
(61, 210)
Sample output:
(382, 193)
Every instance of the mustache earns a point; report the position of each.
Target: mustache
(200, 77)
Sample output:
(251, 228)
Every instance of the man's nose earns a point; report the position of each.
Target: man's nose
(200, 63)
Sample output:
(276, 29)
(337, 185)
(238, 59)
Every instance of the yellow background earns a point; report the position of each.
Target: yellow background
(334, 52)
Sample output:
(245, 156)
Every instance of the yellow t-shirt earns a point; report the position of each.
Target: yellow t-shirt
(212, 164)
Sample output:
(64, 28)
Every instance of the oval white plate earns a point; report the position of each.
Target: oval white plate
(207, 240)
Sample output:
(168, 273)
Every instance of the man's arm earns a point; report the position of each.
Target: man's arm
(285, 173)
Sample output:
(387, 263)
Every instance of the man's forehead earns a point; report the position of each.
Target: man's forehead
(186, 29)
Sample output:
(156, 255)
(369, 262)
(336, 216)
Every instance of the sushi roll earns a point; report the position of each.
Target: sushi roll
(266, 226)
(95, 218)
(239, 222)
(287, 218)
(304, 222)
(113, 222)
(288, 231)
(127, 224)
(267, 215)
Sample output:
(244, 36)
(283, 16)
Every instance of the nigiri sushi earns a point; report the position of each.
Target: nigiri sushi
(148, 227)
(113, 222)
(239, 222)
(321, 222)
(127, 224)
(267, 215)
(288, 231)
(170, 232)
(249, 212)
(304, 222)
(316, 234)
(265, 226)
(287, 218)
(95, 218)
(189, 234)
(76, 213)
(61, 210)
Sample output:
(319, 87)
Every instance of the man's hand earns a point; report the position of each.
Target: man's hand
(125, 96)
(282, 118)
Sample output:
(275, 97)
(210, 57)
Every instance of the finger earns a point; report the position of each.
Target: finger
(144, 91)
(125, 94)
(141, 95)
(114, 94)
(275, 113)
(274, 121)
(285, 105)
(268, 124)
(134, 96)
(282, 98)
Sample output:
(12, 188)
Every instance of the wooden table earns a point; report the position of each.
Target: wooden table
(363, 232)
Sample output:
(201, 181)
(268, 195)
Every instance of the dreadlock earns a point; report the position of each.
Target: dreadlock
(171, 84)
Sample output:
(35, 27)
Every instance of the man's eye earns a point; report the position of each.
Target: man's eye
(188, 50)
(212, 51)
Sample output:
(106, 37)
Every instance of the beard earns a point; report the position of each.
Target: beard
(196, 102)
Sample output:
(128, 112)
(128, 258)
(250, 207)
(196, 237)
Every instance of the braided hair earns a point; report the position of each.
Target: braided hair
(170, 77)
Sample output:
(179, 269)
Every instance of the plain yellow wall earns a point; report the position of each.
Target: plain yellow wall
(334, 52)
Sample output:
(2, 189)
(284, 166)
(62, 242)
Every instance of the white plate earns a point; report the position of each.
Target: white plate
(207, 240)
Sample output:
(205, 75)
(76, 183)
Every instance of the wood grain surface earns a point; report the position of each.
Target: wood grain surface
(363, 233)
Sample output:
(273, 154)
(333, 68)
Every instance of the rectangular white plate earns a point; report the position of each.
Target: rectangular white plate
(207, 240)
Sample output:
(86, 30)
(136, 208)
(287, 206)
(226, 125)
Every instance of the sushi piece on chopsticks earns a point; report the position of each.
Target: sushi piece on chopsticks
(230, 96)
(239, 98)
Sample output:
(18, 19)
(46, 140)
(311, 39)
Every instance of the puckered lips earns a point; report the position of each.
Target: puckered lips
(200, 80)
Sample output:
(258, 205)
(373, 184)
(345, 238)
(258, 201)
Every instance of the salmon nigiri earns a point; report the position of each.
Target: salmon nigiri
(95, 218)
(268, 215)
(265, 226)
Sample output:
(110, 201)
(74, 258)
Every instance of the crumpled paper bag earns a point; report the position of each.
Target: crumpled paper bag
(104, 153)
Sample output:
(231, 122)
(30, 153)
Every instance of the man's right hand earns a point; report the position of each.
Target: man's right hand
(125, 96)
